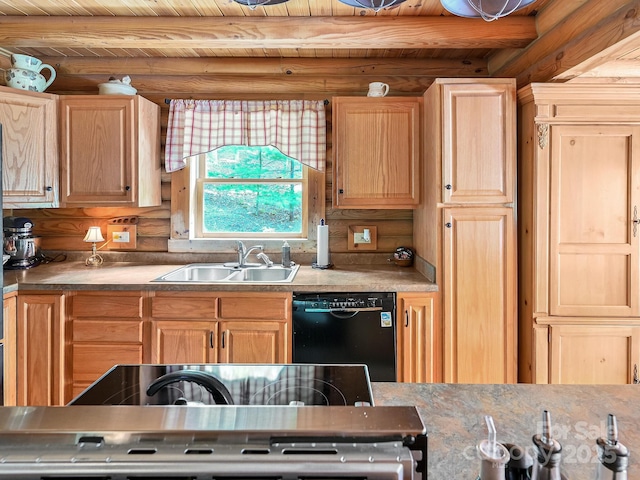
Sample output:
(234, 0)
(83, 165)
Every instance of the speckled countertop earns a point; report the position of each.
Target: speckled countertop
(454, 418)
(72, 275)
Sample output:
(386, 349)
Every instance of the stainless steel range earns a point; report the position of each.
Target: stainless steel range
(212, 442)
(217, 422)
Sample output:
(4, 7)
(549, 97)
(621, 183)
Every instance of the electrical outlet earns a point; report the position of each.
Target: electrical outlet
(122, 237)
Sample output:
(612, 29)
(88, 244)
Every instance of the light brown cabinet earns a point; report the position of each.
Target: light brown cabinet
(418, 338)
(376, 152)
(9, 317)
(579, 230)
(193, 327)
(41, 348)
(464, 229)
(30, 159)
(106, 329)
(110, 151)
(479, 285)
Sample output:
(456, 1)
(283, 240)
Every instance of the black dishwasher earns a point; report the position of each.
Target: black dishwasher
(346, 328)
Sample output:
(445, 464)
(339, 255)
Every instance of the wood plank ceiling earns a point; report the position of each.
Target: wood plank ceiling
(301, 46)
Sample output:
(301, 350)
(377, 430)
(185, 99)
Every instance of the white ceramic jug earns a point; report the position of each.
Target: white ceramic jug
(26, 73)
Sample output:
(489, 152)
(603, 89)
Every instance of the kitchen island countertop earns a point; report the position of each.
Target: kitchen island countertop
(454, 417)
(70, 275)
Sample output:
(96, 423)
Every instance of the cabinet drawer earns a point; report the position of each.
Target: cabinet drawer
(117, 331)
(91, 361)
(252, 306)
(183, 307)
(120, 306)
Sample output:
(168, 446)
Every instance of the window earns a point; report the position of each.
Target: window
(255, 192)
(244, 192)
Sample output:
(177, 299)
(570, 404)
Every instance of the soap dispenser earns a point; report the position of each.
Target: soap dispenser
(286, 254)
(546, 465)
(494, 456)
(613, 455)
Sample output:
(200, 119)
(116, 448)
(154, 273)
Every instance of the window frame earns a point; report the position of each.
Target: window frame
(184, 204)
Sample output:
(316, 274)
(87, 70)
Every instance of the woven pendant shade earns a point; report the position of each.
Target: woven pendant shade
(488, 10)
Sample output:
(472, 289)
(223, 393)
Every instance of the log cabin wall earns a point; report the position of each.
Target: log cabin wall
(62, 229)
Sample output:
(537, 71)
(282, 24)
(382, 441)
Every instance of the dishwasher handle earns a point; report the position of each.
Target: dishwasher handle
(343, 310)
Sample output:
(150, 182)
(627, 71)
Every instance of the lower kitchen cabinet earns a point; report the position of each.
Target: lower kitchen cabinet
(41, 347)
(107, 328)
(418, 338)
(9, 316)
(479, 295)
(589, 354)
(239, 327)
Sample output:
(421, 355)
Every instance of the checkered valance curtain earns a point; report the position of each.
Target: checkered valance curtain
(296, 127)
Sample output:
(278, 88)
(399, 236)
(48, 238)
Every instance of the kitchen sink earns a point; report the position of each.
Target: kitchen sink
(221, 273)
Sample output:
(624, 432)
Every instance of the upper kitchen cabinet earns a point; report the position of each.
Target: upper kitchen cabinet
(579, 217)
(110, 151)
(29, 149)
(376, 152)
(471, 135)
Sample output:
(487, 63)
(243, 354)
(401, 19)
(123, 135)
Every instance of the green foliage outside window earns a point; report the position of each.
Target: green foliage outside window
(252, 190)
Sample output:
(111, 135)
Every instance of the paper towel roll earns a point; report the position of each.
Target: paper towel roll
(323, 246)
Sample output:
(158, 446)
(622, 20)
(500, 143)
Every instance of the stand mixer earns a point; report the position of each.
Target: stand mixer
(20, 244)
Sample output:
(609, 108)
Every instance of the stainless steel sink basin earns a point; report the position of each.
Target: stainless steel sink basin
(221, 273)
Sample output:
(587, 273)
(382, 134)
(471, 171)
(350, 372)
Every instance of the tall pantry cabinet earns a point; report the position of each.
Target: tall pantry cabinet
(579, 230)
(465, 231)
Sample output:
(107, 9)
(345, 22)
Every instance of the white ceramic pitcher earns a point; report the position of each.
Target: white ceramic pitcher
(21, 63)
(378, 89)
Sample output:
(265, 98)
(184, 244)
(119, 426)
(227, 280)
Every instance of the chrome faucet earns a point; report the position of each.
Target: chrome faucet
(243, 253)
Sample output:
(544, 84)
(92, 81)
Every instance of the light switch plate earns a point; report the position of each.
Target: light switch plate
(362, 238)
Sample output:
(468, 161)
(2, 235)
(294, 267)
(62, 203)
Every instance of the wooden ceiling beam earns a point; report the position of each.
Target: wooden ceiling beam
(361, 32)
(589, 30)
(327, 67)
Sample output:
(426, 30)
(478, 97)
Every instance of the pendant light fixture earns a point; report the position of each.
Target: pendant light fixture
(488, 10)
(374, 5)
(252, 4)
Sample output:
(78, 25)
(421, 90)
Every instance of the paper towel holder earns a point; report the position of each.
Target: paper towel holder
(362, 238)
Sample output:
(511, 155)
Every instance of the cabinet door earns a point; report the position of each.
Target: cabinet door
(97, 152)
(479, 142)
(29, 149)
(41, 350)
(188, 341)
(376, 145)
(252, 342)
(479, 295)
(418, 338)
(595, 202)
(594, 354)
(9, 317)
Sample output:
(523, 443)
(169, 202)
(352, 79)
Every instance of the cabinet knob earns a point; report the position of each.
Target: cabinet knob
(448, 225)
(48, 188)
(127, 188)
(448, 186)
(341, 191)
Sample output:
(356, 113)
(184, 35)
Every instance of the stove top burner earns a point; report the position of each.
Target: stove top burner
(231, 384)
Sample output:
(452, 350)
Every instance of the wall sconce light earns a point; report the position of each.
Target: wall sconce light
(94, 235)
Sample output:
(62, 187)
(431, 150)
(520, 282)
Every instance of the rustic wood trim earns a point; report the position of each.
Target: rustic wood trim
(587, 31)
(291, 67)
(343, 33)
